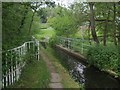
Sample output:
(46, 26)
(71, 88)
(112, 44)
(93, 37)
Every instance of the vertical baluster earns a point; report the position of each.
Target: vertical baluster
(11, 68)
(6, 74)
(20, 56)
(14, 74)
(29, 45)
(15, 64)
(38, 50)
(82, 46)
(21, 51)
(10, 74)
(4, 78)
(3, 81)
(19, 63)
(72, 43)
(33, 47)
(68, 42)
(9, 77)
(25, 48)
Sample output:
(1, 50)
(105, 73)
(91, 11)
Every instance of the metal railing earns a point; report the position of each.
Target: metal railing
(77, 45)
(13, 61)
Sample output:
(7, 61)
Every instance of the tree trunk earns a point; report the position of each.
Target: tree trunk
(31, 22)
(105, 30)
(118, 13)
(114, 25)
(23, 20)
(89, 33)
(92, 20)
(119, 34)
(105, 33)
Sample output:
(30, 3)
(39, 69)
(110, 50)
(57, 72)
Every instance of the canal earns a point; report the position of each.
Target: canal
(89, 76)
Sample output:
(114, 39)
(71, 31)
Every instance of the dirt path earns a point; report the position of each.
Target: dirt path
(55, 81)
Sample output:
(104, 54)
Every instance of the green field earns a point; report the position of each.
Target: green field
(45, 31)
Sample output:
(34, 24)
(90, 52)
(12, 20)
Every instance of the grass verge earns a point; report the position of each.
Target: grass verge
(34, 75)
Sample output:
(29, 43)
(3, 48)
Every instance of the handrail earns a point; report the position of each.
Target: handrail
(13, 72)
(79, 45)
(20, 46)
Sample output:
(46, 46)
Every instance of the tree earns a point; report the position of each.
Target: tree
(92, 22)
(15, 21)
(114, 24)
(64, 22)
(118, 22)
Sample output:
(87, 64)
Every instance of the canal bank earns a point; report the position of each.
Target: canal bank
(83, 60)
(89, 76)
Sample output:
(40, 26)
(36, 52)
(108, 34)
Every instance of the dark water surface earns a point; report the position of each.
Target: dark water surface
(89, 76)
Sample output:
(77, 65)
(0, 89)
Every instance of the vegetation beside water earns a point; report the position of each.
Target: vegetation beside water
(105, 58)
(34, 75)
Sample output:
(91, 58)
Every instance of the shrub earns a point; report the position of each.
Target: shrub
(53, 41)
(104, 57)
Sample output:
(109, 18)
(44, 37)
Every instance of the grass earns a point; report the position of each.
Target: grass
(34, 75)
(49, 32)
(45, 31)
(44, 25)
(67, 80)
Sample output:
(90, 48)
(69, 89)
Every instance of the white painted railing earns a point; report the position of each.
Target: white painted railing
(13, 63)
(77, 45)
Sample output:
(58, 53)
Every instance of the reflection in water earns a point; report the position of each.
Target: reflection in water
(89, 76)
(97, 79)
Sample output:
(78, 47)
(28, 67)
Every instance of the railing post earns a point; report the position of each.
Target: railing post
(12, 73)
(6, 73)
(38, 50)
(82, 46)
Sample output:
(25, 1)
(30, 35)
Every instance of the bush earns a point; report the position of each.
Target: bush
(53, 41)
(104, 57)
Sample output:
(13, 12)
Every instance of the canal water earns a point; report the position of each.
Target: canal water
(90, 77)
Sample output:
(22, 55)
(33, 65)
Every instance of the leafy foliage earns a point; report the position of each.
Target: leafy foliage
(104, 57)
(64, 23)
(13, 13)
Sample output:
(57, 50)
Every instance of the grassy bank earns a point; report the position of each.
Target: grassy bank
(34, 75)
(67, 80)
(44, 31)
